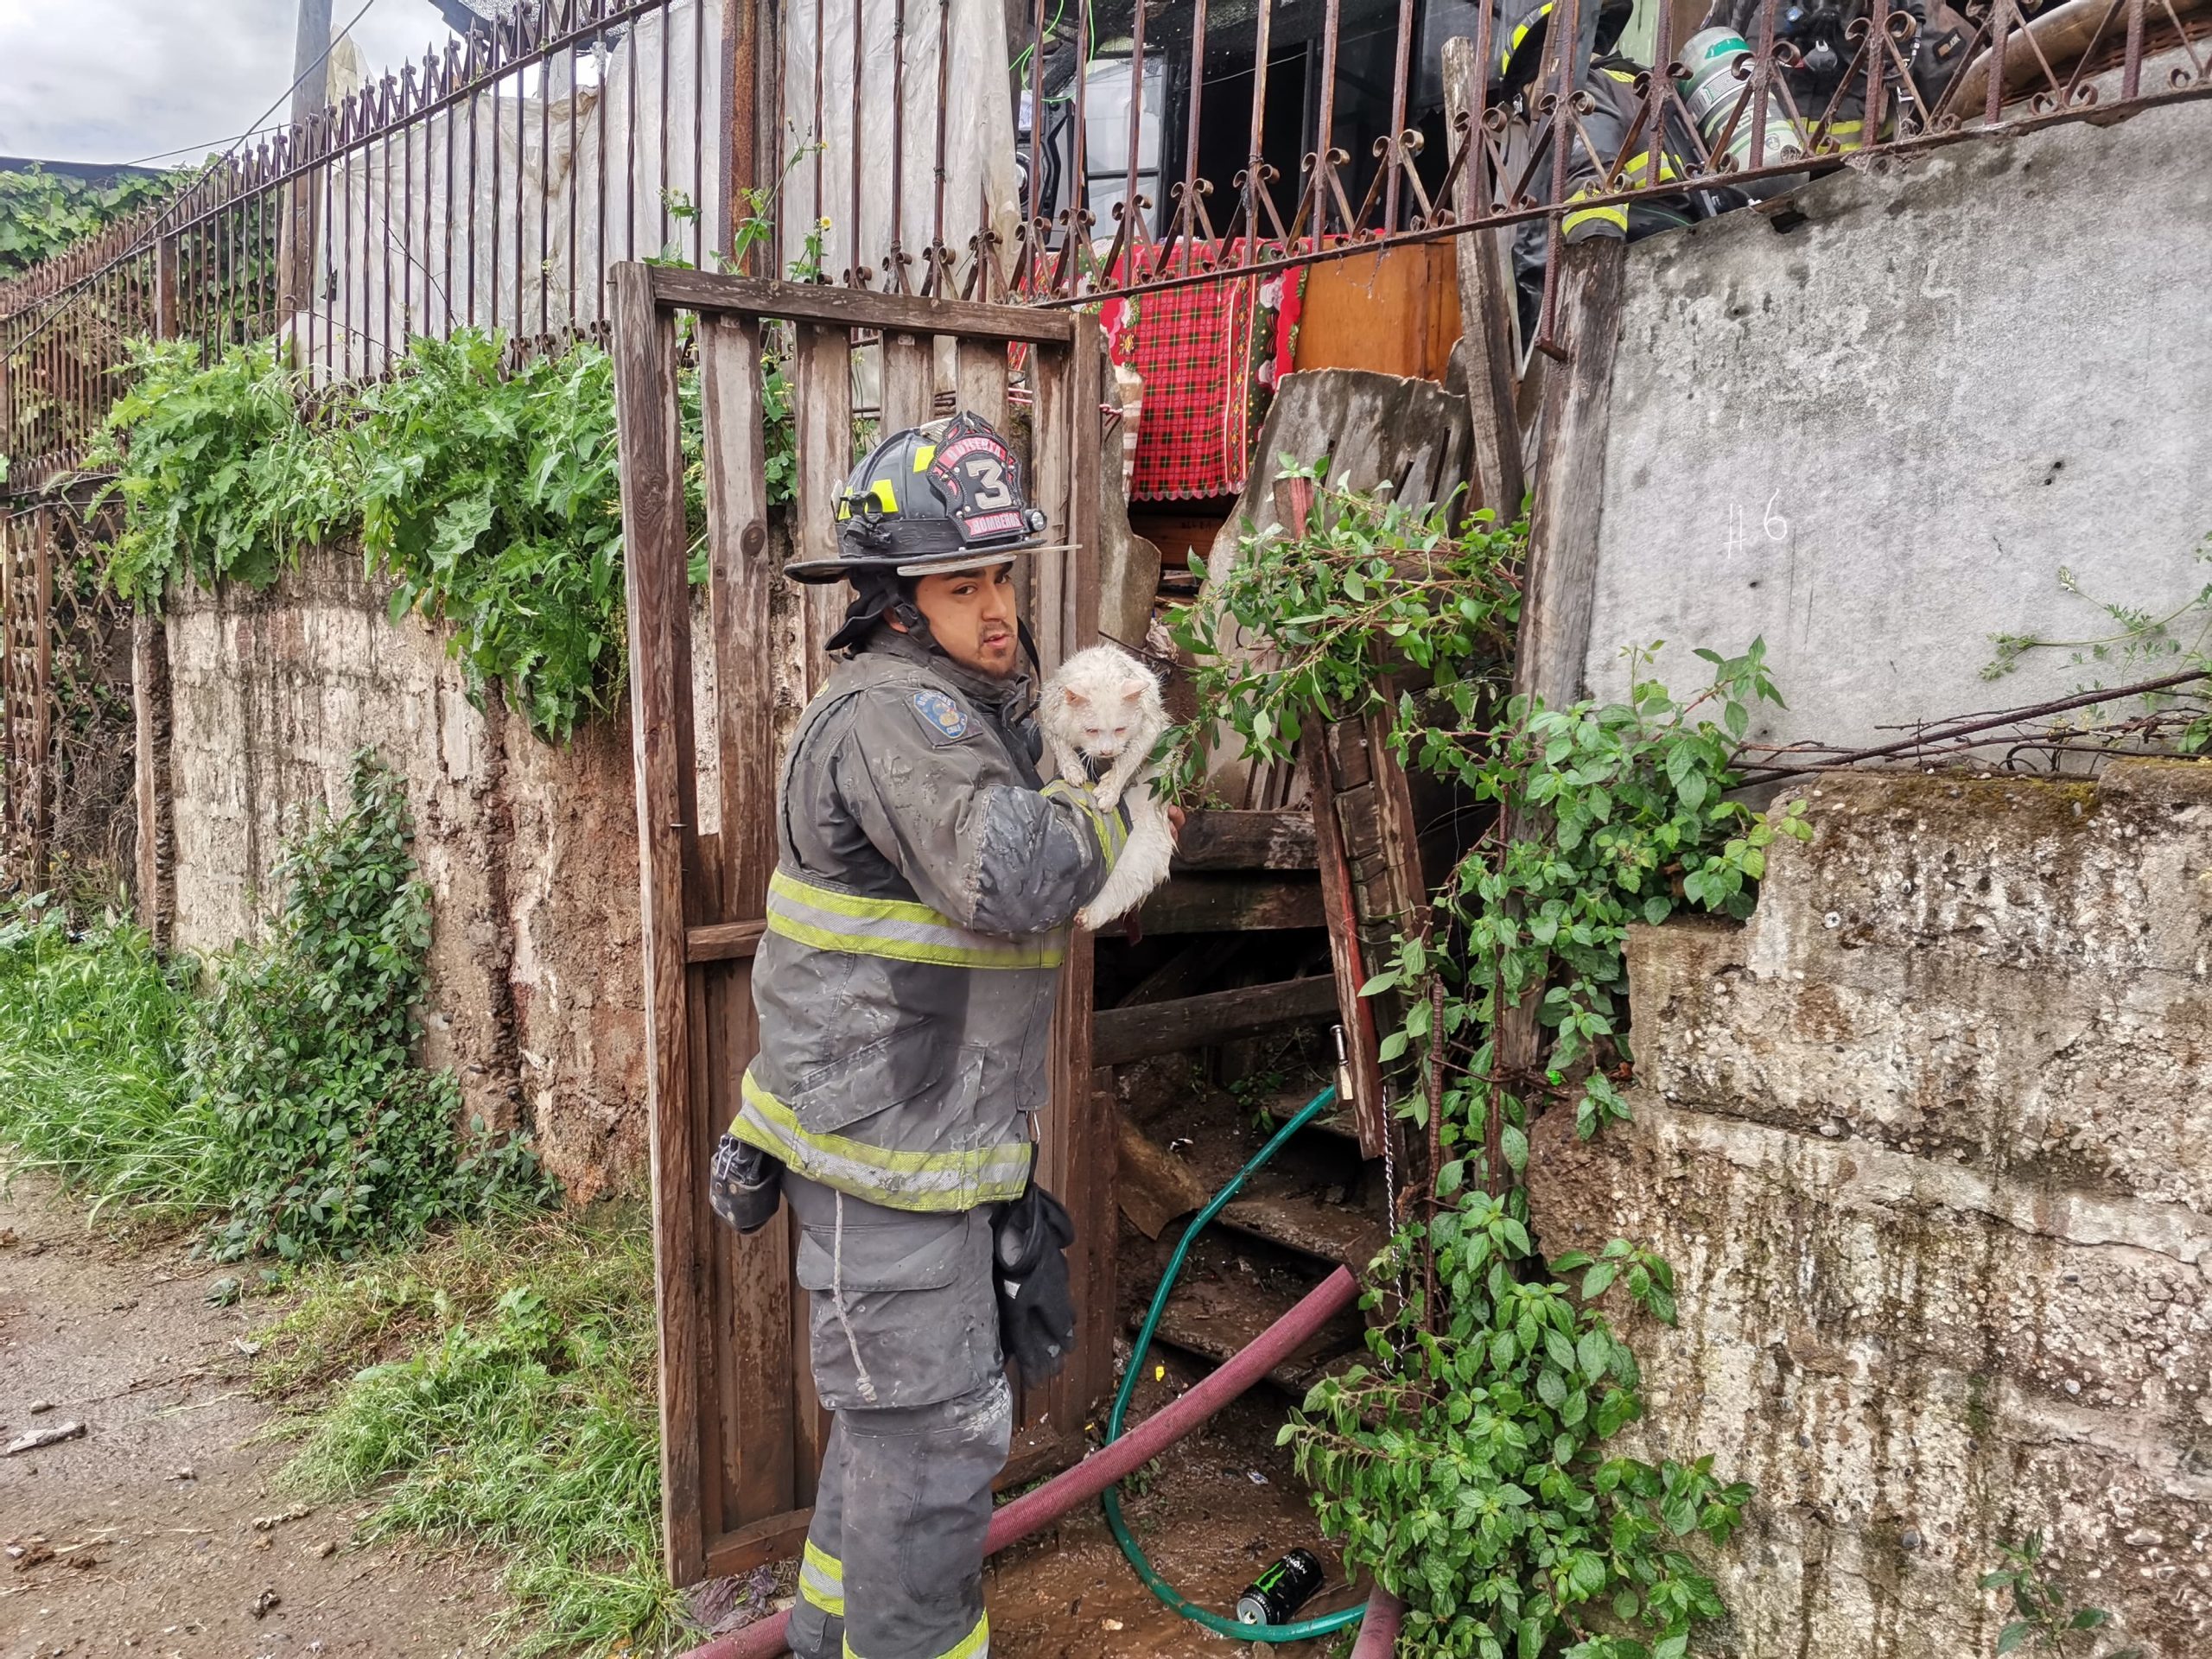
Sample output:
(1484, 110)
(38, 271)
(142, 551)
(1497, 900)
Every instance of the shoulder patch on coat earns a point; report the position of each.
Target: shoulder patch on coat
(945, 721)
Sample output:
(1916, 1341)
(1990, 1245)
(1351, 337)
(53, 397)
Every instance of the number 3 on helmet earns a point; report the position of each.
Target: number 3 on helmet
(928, 500)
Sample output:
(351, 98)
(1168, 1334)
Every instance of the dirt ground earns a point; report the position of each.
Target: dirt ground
(139, 1538)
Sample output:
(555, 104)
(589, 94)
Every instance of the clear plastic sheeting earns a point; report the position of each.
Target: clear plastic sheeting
(505, 210)
(934, 157)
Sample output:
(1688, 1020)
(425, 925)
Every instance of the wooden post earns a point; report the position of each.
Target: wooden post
(660, 712)
(1486, 307)
(150, 708)
(1559, 588)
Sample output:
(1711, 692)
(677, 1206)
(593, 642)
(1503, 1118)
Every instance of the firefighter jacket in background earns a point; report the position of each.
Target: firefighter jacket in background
(917, 919)
(1595, 137)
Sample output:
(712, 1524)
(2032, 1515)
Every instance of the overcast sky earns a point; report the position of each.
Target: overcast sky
(113, 80)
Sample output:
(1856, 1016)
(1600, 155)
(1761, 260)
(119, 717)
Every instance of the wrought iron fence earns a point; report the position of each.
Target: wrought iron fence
(1159, 145)
(491, 185)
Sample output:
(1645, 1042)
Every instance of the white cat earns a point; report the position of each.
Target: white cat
(1104, 705)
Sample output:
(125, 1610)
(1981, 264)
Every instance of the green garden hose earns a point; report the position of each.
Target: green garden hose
(1301, 1629)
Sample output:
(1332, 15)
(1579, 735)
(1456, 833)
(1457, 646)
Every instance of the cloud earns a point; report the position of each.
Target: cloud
(113, 81)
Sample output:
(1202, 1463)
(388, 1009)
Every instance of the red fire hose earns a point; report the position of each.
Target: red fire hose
(1378, 1631)
(1034, 1511)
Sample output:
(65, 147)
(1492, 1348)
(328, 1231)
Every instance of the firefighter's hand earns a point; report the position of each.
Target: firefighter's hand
(1175, 816)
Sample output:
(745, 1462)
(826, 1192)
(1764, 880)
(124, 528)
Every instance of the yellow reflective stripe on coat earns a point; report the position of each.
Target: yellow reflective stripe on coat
(831, 919)
(1113, 835)
(821, 1580)
(959, 1179)
(974, 1645)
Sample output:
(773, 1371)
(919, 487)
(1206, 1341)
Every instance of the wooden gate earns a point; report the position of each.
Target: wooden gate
(741, 1434)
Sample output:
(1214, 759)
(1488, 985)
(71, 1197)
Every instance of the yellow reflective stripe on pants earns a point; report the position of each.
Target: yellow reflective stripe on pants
(821, 1580)
(974, 1645)
(1112, 834)
(900, 929)
(958, 1180)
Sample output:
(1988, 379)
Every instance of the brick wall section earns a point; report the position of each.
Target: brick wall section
(531, 851)
(1929, 1143)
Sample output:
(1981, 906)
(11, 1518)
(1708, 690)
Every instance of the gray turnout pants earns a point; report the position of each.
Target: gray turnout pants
(904, 1339)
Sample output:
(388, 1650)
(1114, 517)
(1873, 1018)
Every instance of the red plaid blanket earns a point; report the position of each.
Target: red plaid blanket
(1210, 356)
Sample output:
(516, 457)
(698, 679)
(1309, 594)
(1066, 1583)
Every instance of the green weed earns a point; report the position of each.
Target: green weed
(92, 1029)
(285, 1105)
(506, 1404)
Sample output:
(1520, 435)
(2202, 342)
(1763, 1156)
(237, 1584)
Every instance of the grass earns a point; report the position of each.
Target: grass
(489, 1387)
(93, 1033)
(492, 1390)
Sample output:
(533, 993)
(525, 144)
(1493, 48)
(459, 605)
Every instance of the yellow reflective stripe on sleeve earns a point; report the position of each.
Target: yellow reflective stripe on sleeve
(1636, 164)
(974, 1645)
(900, 929)
(1112, 834)
(821, 1580)
(1617, 217)
(957, 1179)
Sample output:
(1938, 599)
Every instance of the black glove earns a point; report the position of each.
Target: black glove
(745, 1186)
(1029, 1241)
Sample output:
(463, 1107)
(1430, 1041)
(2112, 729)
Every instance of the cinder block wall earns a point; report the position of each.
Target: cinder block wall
(531, 851)
(1929, 1143)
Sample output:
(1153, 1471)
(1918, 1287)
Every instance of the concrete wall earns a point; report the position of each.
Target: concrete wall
(1929, 1143)
(531, 851)
(1876, 437)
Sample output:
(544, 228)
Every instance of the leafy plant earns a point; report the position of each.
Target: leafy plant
(335, 1140)
(489, 496)
(1469, 1471)
(1467, 1468)
(2143, 643)
(2047, 1622)
(44, 214)
(1372, 584)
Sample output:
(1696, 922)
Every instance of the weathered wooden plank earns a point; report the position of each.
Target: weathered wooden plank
(1485, 352)
(1122, 1034)
(723, 941)
(773, 1538)
(1232, 904)
(1076, 1158)
(1340, 909)
(1153, 1186)
(821, 415)
(1559, 588)
(754, 1402)
(661, 740)
(853, 307)
(982, 379)
(908, 381)
(150, 714)
(1246, 841)
(740, 578)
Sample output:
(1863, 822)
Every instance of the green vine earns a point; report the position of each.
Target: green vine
(304, 1055)
(2141, 643)
(488, 495)
(1468, 1467)
(44, 214)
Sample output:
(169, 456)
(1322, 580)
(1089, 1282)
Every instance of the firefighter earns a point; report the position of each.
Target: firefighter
(1820, 63)
(1595, 137)
(926, 883)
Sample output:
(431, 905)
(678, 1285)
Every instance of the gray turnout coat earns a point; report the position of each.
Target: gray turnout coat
(925, 888)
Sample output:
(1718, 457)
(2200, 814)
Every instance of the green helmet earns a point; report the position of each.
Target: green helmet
(931, 498)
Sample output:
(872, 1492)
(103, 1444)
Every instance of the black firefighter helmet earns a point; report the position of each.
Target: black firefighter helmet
(928, 499)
